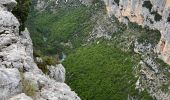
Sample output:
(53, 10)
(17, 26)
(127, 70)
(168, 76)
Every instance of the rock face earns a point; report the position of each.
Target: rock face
(17, 64)
(21, 96)
(152, 13)
(42, 5)
(10, 83)
(57, 72)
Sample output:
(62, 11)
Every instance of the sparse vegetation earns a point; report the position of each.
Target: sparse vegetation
(117, 2)
(47, 60)
(28, 87)
(148, 5)
(168, 19)
(157, 17)
(165, 87)
(146, 35)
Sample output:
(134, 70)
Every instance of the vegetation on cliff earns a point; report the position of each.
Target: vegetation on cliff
(21, 11)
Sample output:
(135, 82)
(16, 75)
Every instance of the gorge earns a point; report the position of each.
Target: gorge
(116, 50)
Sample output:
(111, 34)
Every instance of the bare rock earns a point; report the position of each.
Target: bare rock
(57, 72)
(21, 96)
(10, 83)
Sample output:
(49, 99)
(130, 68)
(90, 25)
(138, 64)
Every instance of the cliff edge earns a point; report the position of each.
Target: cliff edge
(20, 78)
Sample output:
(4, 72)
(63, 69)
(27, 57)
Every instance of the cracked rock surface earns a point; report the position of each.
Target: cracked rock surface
(17, 64)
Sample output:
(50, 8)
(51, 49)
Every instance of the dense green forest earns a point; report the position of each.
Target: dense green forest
(101, 72)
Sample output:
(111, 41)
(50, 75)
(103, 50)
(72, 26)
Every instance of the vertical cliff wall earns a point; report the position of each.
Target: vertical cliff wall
(152, 13)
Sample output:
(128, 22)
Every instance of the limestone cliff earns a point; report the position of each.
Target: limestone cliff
(152, 13)
(18, 72)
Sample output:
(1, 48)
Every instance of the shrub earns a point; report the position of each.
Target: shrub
(148, 5)
(117, 2)
(28, 88)
(21, 12)
(157, 17)
(168, 19)
(47, 60)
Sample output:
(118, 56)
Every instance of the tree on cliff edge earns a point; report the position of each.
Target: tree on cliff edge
(21, 12)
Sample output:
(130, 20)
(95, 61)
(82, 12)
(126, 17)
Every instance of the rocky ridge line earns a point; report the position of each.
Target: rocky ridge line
(17, 65)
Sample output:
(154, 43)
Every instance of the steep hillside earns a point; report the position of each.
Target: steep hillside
(54, 28)
(110, 48)
(152, 13)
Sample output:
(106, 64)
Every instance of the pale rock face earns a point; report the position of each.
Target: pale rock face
(136, 12)
(57, 72)
(21, 96)
(10, 83)
(40, 5)
(16, 54)
(58, 91)
(8, 4)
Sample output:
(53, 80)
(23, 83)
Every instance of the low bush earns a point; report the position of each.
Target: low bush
(27, 87)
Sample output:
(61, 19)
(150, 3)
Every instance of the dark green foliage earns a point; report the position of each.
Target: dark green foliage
(117, 2)
(101, 72)
(162, 63)
(165, 87)
(151, 21)
(145, 34)
(157, 17)
(66, 24)
(148, 5)
(21, 12)
(168, 19)
(94, 71)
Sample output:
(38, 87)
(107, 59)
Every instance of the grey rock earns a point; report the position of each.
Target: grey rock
(21, 96)
(57, 72)
(16, 55)
(10, 83)
(136, 11)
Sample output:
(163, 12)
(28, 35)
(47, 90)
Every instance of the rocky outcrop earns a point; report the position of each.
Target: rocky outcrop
(51, 5)
(57, 72)
(152, 13)
(17, 64)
